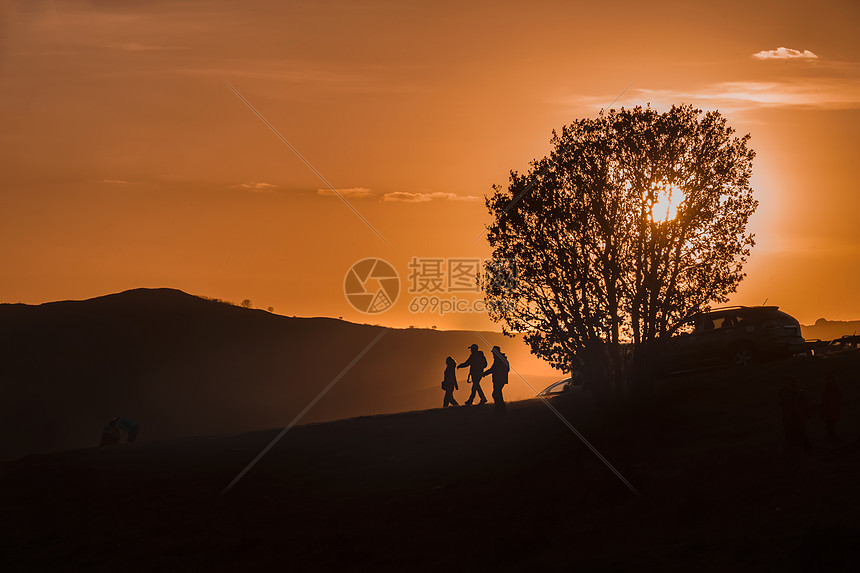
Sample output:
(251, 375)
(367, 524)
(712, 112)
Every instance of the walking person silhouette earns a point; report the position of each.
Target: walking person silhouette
(449, 383)
(499, 370)
(476, 363)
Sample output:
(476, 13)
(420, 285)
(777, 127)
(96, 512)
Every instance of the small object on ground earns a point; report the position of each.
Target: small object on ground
(130, 427)
(110, 434)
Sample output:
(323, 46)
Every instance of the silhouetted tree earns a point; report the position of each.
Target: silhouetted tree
(245, 303)
(635, 220)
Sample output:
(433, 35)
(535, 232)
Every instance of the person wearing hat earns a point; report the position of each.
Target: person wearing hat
(499, 370)
(476, 363)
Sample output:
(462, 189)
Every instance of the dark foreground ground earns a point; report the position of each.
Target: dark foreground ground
(464, 490)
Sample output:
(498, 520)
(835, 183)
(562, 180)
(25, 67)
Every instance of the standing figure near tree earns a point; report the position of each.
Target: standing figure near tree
(499, 370)
(476, 363)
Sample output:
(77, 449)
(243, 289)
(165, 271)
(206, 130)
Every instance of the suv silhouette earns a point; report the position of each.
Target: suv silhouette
(733, 336)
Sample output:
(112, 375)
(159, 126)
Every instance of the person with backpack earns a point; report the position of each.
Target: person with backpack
(499, 370)
(449, 383)
(476, 363)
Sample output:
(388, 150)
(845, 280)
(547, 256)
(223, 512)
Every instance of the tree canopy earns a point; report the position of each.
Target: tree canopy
(636, 220)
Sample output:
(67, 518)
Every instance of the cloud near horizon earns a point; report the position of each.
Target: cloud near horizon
(405, 197)
(349, 192)
(397, 196)
(783, 53)
(254, 186)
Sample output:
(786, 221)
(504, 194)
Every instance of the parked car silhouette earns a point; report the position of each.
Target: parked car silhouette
(733, 336)
(566, 385)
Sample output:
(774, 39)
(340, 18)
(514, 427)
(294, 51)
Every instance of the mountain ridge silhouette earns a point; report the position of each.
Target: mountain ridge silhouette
(830, 329)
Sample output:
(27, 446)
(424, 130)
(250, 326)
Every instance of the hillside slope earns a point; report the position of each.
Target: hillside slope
(184, 366)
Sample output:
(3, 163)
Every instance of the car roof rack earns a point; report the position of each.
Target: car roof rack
(739, 307)
(699, 313)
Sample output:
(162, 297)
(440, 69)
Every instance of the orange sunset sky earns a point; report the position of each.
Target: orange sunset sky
(128, 161)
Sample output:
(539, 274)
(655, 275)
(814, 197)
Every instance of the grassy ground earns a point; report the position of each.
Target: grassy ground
(461, 488)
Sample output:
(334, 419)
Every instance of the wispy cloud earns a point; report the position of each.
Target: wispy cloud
(809, 93)
(783, 53)
(115, 181)
(349, 193)
(398, 196)
(824, 93)
(254, 186)
(406, 197)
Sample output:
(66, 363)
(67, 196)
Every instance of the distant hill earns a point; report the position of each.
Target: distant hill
(181, 366)
(830, 329)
